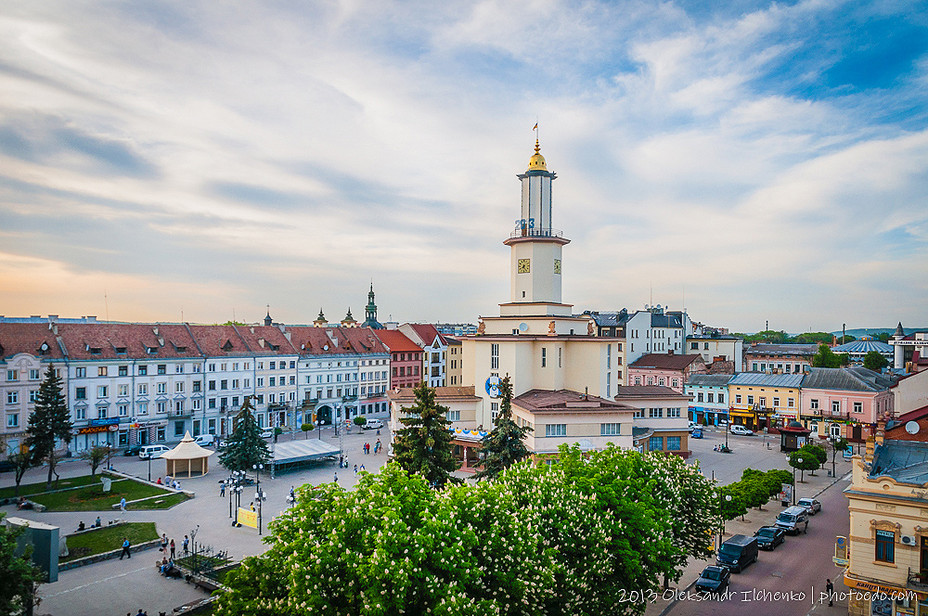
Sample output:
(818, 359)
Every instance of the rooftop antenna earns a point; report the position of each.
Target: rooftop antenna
(106, 305)
(181, 314)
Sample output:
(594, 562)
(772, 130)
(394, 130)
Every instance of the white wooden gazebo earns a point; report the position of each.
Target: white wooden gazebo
(187, 459)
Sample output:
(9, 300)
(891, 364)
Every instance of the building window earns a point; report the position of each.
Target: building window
(556, 430)
(885, 543)
(776, 403)
(674, 412)
(858, 407)
(544, 357)
(34, 375)
(710, 397)
(33, 395)
(656, 443)
(673, 443)
(142, 408)
(101, 412)
(655, 413)
(102, 391)
(751, 400)
(835, 406)
(813, 403)
(494, 357)
(721, 398)
(661, 382)
(80, 373)
(694, 346)
(12, 397)
(123, 410)
(453, 415)
(737, 399)
(179, 406)
(639, 413)
(143, 370)
(610, 429)
(179, 387)
(789, 403)
(12, 375)
(162, 368)
(178, 428)
(162, 388)
(494, 410)
(12, 420)
(699, 396)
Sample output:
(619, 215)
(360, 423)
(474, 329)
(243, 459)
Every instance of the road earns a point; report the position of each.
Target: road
(789, 580)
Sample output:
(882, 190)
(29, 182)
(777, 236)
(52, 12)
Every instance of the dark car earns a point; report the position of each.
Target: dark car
(132, 450)
(713, 579)
(769, 537)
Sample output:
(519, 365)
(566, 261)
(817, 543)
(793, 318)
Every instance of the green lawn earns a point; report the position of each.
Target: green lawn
(93, 498)
(165, 502)
(108, 538)
(29, 489)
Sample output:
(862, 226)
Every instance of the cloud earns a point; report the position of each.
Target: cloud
(288, 154)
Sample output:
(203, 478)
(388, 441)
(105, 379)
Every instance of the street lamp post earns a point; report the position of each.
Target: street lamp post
(798, 461)
(722, 529)
(149, 467)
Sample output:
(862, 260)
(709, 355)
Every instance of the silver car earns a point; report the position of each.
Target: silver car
(811, 505)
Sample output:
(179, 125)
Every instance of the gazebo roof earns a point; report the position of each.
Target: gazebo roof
(187, 449)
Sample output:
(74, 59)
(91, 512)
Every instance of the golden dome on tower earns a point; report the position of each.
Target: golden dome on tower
(537, 161)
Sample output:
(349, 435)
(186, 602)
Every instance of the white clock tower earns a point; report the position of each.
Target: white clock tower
(535, 248)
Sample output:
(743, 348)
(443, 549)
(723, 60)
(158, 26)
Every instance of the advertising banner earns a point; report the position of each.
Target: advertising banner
(247, 517)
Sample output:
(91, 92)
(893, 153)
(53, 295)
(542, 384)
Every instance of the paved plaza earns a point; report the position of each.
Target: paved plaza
(117, 587)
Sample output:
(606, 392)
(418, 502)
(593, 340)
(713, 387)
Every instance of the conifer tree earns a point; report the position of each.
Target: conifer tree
(49, 422)
(424, 446)
(505, 445)
(245, 447)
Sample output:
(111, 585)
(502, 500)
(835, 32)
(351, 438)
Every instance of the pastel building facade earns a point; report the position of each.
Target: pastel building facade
(708, 398)
(716, 347)
(844, 402)
(760, 400)
(779, 358)
(665, 370)
(659, 418)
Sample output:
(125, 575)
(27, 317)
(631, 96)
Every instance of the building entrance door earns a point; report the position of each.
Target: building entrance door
(923, 560)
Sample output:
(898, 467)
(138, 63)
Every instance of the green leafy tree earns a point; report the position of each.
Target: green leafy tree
(20, 577)
(245, 447)
(803, 462)
(813, 337)
(731, 501)
(306, 427)
(95, 457)
(826, 358)
(816, 452)
(21, 461)
(771, 336)
(49, 423)
(423, 446)
(505, 445)
(359, 420)
(776, 478)
(875, 361)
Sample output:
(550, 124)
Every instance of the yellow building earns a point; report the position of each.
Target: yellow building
(756, 399)
(536, 341)
(888, 543)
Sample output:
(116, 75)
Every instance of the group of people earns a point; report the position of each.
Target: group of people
(367, 447)
(721, 448)
(97, 524)
(169, 482)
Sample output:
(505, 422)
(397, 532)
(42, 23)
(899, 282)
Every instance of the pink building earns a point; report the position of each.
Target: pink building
(844, 401)
(665, 370)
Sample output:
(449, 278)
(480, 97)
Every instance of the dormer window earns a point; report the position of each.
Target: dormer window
(120, 350)
(152, 350)
(95, 350)
(181, 349)
(227, 346)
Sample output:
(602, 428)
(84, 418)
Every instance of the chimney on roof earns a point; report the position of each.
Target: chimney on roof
(669, 351)
(154, 330)
(261, 342)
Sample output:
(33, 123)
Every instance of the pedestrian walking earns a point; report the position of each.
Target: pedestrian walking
(186, 545)
(362, 468)
(122, 504)
(172, 549)
(336, 477)
(341, 460)
(830, 589)
(222, 489)
(125, 549)
(356, 469)
(164, 542)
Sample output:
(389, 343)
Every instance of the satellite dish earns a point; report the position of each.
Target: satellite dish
(523, 327)
(912, 427)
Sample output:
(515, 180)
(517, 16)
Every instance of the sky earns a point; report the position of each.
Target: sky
(751, 162)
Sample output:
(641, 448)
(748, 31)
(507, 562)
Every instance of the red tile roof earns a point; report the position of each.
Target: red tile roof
(91, 341)
(535, 400)
(665, 361)
(16, 338)
(397, 341)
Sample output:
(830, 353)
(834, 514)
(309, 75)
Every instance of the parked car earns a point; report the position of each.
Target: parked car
(693, 426)
(794, 520)
(372, 424)
(769, 537)
(267, 433)
(713, 579)
(737, 553)
(205, 440)
(152, 451)
(132, 450)
(697, 433)
(811, 505)
(741, 430)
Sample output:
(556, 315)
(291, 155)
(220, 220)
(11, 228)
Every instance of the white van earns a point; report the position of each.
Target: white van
(152, 451)
(205, 440)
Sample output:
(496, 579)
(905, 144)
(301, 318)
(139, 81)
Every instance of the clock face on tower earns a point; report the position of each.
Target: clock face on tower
(557, 266)
(525, 266)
